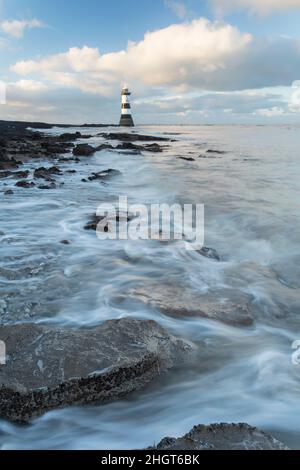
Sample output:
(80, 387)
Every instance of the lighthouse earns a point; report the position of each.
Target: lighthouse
(126, 118)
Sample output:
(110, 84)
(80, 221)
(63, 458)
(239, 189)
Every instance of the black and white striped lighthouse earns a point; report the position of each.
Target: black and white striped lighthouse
(126, 118)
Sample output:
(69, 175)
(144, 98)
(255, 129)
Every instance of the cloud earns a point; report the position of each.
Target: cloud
(16, 28)
(179, 8)
(199, 55)
(262, 7)
(189, 54)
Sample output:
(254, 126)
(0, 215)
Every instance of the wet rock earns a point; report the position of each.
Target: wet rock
(84, 150)
(68, 136)
(9, 164)
(156, 148)
(119, 217)
(47, 186)
(105, 147)
(102, 175)
(47, 173)
(218, 152)
(71, 171)
(222, 436)
(229, 306)
(25, 184)
(9, 192)
(14, 174)
(124, 137)
(49, 367)
(65, 242)
(188, 159)
(210, 253)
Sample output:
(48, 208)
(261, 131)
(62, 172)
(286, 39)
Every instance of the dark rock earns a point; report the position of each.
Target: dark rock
(47, 173)
(9, 164)
(49, 367)
(218, 152)
(188, 159)
(222, 437)
(9, 192)
(119, 217)
(209, 253)
(67, 136)
(65, 242)
(25, 184)
(124, 137)
(71, 171)
(84, 150)
(47, 186)
(104, 147)
(147, 148)
(14, 174)
(102, 175)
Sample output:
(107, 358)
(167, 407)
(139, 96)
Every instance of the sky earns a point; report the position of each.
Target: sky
(185, 61)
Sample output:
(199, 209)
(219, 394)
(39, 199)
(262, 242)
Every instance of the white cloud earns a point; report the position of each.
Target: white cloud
(199, 55)
(189, 54)
(16, 28)
(255, 6)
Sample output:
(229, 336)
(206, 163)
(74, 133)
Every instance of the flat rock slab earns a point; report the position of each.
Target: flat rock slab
(226, 305)
(49, 367)
(223, 437)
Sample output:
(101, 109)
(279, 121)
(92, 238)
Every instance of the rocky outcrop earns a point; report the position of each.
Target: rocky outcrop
(222, 437)
(125, 137)
(229, 306)
(25, 184)
(119, 216)
(84, 150)
(103, 175)
(155, 148)
(49, 367)
(47, 173)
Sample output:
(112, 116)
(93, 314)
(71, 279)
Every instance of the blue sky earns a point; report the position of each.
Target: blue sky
(203, 61)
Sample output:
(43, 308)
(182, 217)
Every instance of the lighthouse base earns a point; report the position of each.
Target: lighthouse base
(126, 121)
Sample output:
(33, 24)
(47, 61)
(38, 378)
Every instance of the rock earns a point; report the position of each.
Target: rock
(222, 437)
(49, 367)
(25, 184)
(67, 136)
(47, 186)
(104, 174)
(104, 147)
(9, 164)
(218, 152)
(132, 137)
(139, 148)
(71, 171)
(9, 192)
(210, 253)
(47, 173)
(65, 242)
(229, 306)
(14, 174)
(119, 216)
(188, 159)
(84, 150)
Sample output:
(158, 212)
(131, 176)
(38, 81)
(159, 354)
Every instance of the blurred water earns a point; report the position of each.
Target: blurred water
(251, 197)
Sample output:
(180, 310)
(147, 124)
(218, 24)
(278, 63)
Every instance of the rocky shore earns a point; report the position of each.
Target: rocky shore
(50, 367)
(235, 436)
